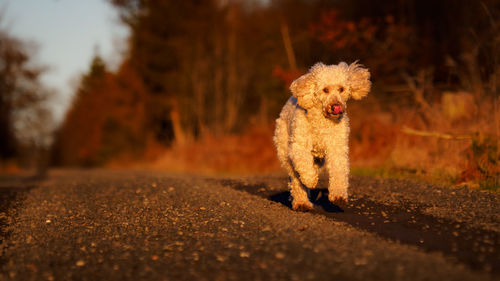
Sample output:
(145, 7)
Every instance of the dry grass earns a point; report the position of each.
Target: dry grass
(453, 140)
(251, 153)
(9, 168)
(378, 146)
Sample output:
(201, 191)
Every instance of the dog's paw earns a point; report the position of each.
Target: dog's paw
(302, 206)
(338, 199)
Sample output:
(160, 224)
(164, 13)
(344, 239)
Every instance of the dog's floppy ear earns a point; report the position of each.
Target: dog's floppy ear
(359, 80)
(303, 88)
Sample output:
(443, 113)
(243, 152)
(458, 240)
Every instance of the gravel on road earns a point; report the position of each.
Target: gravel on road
(138, 225)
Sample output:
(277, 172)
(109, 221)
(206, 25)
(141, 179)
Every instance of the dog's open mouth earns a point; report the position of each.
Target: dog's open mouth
(334, 111)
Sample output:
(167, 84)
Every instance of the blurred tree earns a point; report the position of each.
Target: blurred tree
(155, 27)
(25, 121)
(106, 119)
(457, 39)
(196, 62)
(384, 45)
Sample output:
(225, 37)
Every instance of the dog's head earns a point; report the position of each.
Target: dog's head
(328, 87)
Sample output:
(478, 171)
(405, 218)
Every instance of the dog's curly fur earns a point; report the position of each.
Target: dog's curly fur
(313, 129)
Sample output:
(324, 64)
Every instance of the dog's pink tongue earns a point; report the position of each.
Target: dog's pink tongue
(337, 109)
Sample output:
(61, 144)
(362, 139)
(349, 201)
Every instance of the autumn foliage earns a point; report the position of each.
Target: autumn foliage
(106, 118)
(203, 81)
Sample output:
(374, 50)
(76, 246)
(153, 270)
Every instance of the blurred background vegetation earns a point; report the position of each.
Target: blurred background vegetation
(202, 82)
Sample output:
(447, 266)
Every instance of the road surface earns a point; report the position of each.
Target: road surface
(138, 225)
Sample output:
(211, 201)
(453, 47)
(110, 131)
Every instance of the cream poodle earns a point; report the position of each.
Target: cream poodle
(313, 129)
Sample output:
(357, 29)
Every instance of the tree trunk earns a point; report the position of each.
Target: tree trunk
(234, 77)
(179, 134)
(218, 85)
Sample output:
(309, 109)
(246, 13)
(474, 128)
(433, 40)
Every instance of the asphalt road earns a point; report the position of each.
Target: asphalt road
(137, 225)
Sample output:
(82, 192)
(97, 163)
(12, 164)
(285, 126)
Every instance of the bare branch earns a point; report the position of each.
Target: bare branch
(288, 46)
(439, 135)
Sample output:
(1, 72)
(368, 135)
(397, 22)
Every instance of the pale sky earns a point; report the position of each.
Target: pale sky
(68, 33)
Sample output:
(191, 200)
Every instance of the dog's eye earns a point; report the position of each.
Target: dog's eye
(341, 89)
(326, 90)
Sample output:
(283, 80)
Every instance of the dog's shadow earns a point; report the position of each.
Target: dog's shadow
(319, 197)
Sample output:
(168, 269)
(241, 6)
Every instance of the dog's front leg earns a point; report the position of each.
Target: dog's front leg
(299, 195)
(337, 164)
(303, 163)
(304, 176)
(300, 150)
